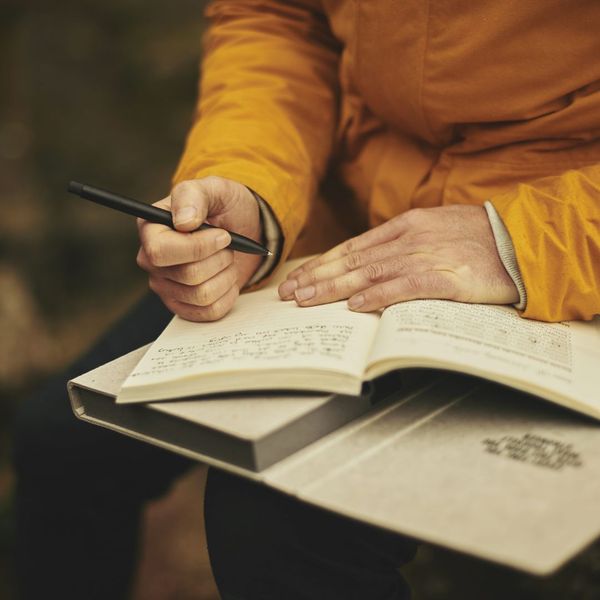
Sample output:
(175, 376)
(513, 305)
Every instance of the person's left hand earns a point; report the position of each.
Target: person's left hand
(446, 252)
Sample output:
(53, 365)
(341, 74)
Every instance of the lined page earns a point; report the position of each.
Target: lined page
(262, 332)
(494, 341)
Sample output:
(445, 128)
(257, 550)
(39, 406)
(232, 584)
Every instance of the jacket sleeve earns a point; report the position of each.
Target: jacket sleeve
(267, 106)
(554, 224)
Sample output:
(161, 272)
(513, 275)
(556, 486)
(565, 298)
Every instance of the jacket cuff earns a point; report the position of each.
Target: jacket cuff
(272, 240)
(506, 251)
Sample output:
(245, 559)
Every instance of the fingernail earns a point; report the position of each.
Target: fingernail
(305, 293)
(356, 301)
(222, 240)
(287, 288)
(184, 214)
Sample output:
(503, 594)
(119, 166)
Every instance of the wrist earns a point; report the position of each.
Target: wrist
(271, 238)
(506, 252)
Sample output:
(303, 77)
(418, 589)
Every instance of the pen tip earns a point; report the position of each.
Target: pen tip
(269, 253)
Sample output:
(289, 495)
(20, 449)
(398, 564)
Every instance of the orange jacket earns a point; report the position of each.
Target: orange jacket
(416, 104)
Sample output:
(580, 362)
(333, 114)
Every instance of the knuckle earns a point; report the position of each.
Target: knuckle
(154, 252)
(188, 313)
(374, 272)
(400, 264)
(213, 313)
(398, 218)
(352, 261)
(183, 187)
(377, 297)
(306, 278)
(199, 248)
(231, 276)
(189, 274)
(153, 284)
(399, 222)
(194, 273)
(203, 294)
(214, 185)
(330, 287)
(226, 257)
(217, 310)
(140, 259)
(212, 181)
(349, 246)
(413, 217)
(414, 284)
(445, 286)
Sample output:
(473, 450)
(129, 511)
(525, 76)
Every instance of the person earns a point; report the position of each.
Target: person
(439, 150)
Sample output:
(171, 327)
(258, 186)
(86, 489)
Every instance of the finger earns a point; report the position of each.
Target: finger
(217, 310)
(385, 232)
(427, 284)
(195, 273)
(204, 294)
(365, 277)
(165, 203)
(142, 261)
(164, 247)
(312, 275)
(193, 201)
(346, 264)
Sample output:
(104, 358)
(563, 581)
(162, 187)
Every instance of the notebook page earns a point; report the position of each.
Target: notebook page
(261, 332)
(494, 341)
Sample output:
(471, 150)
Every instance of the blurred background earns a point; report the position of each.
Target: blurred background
(103, 92)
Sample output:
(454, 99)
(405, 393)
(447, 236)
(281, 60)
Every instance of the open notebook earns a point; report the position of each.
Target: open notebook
(267, 344)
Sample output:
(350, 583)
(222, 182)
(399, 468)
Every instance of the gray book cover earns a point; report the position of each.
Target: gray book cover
(471, 466)
(252, 431)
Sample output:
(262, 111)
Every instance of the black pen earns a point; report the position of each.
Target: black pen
(155, 215)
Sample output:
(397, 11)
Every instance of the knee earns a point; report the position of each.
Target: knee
(245, 529)
(272, 545)
(242, 518)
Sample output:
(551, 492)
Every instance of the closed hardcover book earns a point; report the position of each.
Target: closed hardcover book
(447, 459)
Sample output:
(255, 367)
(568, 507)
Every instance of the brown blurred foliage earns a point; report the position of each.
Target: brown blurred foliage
(96, 91)
(102, 92)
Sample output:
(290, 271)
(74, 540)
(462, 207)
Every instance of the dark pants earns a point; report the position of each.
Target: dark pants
(80, 490)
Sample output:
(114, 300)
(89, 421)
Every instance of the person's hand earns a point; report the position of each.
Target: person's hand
(194, 274)
(444, 252)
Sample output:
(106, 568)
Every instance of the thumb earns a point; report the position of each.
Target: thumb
(192, 202)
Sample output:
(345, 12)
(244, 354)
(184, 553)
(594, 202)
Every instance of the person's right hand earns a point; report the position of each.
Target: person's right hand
(194, 274)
